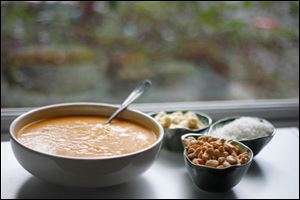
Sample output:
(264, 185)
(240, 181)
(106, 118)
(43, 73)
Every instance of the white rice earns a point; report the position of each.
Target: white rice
(244, 128)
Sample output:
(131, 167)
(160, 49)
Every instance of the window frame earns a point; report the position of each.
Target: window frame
(281, 112)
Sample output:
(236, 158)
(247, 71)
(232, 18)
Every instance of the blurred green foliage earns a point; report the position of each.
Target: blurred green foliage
(245, 42)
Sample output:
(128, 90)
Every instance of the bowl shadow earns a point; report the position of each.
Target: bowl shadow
(194, 192)
(255, 171)
(35, 188)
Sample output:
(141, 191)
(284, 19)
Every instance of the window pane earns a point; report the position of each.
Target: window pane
(97, 51)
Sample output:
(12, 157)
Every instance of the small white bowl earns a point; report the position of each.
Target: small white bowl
(85, 172)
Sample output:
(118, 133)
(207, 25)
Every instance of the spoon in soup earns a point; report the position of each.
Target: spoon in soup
(136, 93)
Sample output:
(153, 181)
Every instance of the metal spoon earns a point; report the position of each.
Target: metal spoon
(136, 93)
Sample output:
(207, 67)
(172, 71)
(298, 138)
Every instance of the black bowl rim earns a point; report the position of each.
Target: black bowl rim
(153, 114)
(239, 116)
(212, 168)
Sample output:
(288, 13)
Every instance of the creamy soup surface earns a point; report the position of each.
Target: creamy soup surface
(85, 136)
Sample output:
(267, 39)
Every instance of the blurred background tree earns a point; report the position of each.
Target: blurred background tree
(96, 51)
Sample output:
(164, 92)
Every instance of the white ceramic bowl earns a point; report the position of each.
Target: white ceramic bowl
(85, 172)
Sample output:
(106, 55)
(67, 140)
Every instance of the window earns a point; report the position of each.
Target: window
(193, 51)
(54, 52)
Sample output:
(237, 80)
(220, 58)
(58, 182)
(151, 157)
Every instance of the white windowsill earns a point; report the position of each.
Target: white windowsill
(281, 112)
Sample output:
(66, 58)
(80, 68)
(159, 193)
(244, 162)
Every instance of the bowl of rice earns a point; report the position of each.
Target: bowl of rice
(254, 132)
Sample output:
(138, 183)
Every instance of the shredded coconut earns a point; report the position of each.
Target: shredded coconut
(244, 128)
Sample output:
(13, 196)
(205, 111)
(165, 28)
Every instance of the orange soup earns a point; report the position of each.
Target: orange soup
(85, 136)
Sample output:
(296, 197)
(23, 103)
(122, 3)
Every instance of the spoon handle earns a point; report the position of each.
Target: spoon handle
(136, 93)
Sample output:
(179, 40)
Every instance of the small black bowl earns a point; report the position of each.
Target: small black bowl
(172, 138)
(213, 179)
(256, 145)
